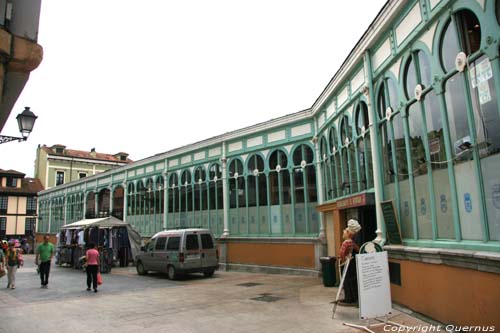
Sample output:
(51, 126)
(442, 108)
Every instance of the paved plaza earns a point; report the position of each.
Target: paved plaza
(126, 302)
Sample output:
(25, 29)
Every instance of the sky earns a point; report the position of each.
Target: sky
(145, 77)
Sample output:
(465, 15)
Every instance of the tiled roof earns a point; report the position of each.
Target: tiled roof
(86, 154)
(28, 186)
(11, 172)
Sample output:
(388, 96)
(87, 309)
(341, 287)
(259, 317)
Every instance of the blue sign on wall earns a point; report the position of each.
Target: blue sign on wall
(406, 208)
(468, 202)
(423, 206)
(443, 202)
(495, 196)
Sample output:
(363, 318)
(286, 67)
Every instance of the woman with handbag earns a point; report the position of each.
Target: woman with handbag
(14, 261)
(92, 256)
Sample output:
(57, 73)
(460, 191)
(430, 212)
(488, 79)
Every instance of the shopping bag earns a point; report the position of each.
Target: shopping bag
(99, 278)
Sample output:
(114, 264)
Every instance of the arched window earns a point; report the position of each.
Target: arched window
(160, 195)
(462, 33)
(236, 184)
(363, 147)
(90, 204)
(215, 187)
(215, 199)
(417, 71)
(256, 192)
(325, 170)
(131, 199)
(335, 163)
(362, 120)
(387, 98)
(141, 193)
(186, 198)
(304, 186)
(279, 178)
(347, 156)
(200, 189)
(173, 194)
(237, 197)
(149, 197)
(118, 202)
(103, 203)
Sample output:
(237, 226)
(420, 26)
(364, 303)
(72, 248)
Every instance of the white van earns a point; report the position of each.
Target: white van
(179, 251)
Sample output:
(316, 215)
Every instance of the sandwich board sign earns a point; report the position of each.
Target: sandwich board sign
(373, 285)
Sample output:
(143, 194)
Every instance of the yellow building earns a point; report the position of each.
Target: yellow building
(57, 165)
(18, 205)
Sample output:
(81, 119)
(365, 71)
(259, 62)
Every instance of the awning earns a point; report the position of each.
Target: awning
(103, 222)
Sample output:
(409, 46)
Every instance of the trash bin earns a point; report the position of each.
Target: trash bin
(328, 270)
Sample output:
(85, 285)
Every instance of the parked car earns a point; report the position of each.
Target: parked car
(178, 252)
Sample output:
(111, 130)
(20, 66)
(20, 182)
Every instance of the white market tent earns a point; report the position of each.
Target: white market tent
(108, 223)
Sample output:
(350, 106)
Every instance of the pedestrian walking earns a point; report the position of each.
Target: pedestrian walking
(92, 258)
(14, 261)
(44, 252)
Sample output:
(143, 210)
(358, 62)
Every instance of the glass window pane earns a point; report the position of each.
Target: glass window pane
(449, 47)
(400, 147)
(457, 116)
(411, 79)
(424, 69)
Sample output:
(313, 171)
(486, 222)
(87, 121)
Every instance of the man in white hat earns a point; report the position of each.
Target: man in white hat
(348, 249)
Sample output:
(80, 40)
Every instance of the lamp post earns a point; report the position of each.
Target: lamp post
(26, 121)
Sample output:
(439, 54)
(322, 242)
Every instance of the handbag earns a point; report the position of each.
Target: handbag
(2, 271)
(99, 278)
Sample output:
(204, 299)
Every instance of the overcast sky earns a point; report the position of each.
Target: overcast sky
(145, 77)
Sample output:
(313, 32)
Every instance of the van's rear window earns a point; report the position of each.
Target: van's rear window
(206, 242)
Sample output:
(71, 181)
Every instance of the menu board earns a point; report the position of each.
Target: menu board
(391, 222)
(373, 285)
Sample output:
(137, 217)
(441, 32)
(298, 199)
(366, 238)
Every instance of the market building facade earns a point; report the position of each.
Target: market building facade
(410, 118)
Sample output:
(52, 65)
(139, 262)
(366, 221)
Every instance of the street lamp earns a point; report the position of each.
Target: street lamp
(25, 120)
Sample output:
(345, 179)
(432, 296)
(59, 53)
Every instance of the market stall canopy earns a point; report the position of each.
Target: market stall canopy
(103, 222)
(106, 223)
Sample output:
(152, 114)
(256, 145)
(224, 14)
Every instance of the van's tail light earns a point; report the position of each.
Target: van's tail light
(181, 257)
(217, 252)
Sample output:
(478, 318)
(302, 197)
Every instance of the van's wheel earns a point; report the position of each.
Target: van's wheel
(209, 272)
(171, 273)
(140, 268)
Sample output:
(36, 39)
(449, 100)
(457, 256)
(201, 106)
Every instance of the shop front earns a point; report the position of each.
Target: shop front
(360, 207)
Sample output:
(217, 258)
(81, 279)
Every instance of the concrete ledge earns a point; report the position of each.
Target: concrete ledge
(268, 269)
(270, 240)
(475, 260)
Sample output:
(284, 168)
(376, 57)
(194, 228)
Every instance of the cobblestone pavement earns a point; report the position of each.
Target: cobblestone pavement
(126, 302)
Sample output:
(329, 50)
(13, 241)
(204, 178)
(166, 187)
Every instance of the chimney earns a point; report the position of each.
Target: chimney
(93, 153)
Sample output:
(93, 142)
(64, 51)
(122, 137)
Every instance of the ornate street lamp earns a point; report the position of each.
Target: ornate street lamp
(25, 120)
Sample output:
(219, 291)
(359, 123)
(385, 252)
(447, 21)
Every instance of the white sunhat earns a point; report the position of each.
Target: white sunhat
(353, 226)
